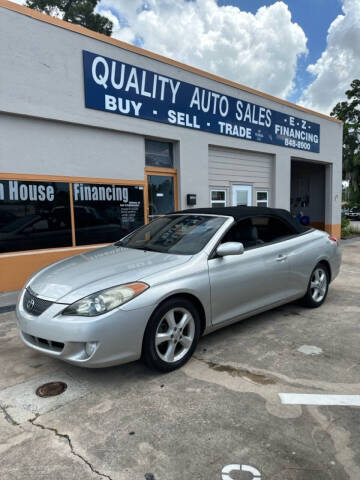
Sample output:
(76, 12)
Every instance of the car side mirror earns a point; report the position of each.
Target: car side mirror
(230, 248)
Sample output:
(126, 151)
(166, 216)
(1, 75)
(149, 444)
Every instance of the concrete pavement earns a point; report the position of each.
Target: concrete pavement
(222, 408)
(8, 300)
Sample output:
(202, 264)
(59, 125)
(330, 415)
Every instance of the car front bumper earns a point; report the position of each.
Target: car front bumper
(118, 334)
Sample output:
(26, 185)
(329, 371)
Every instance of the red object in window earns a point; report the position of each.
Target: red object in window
(333, 239)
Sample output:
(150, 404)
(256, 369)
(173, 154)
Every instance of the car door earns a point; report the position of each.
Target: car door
(278, 240)
(304, 252)
(277, 272)
(236, 284)
(256, 279)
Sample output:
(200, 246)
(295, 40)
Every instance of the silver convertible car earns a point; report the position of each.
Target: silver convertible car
(152, 294)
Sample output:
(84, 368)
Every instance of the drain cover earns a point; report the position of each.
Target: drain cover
(51, 389)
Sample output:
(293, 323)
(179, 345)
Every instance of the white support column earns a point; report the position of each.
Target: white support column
(282, 180)
(193, 164)
(333, 193)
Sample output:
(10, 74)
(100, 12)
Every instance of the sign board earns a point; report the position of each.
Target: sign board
(120, 88)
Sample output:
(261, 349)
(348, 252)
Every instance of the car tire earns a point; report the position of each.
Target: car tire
(318, 287)
(171, 335)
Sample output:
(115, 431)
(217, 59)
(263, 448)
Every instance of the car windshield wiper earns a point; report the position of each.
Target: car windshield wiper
(149, 249)
(146, 249)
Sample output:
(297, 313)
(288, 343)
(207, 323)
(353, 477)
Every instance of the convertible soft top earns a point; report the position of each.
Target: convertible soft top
(240, 213)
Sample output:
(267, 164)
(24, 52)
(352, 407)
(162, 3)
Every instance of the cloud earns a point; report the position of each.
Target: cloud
(339, 64)
(258, 50)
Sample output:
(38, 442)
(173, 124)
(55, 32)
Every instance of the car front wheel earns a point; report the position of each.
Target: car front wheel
(318, 287)
(171, 335)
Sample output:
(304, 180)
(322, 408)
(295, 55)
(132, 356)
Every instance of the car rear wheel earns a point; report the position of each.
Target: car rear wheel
(171, 335)
(318, 287)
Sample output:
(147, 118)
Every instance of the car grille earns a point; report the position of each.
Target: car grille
(33, 304)
(44, 343)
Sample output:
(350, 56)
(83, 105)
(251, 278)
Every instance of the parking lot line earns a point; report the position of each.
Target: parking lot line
(316, 399)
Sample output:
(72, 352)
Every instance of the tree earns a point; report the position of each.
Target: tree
(80, 12)
(349, 113)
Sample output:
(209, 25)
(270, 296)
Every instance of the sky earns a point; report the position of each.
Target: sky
(305, 51)
(314, 17)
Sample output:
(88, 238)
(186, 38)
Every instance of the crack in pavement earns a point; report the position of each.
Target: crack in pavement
(68, 439)
(7, 416)
(239, 372)
(261, 377)
(257, 376)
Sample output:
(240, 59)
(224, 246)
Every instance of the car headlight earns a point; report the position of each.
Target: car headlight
(105, 300)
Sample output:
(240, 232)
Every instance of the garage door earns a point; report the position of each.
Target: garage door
(239, 177)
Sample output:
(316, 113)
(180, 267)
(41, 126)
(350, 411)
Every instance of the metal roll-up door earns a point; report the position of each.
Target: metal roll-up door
(234, 171)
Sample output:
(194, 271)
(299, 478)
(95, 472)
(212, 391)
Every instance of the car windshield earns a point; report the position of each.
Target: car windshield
(178, 234)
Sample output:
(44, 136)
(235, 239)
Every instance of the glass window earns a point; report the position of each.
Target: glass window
(218, 198)
(34, 215)
(106, 213)
(271, 229)
(158, 154)
(178, 234)
(262, 199)
(257, 231)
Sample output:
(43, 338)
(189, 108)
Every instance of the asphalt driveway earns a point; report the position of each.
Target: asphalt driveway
(223, 408)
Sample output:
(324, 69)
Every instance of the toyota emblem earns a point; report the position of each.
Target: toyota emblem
(30, 304)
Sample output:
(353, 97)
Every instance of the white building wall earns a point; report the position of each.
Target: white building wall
(37, 146)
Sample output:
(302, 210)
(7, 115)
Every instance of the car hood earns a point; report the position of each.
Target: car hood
(73, 278)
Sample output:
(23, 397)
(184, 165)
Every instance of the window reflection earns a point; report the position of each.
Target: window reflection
(158, 154)
(106, 213)
(34, 215)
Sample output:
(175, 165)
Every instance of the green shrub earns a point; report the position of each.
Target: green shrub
(345, 227)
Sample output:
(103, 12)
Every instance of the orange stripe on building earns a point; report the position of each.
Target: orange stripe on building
(23, 264)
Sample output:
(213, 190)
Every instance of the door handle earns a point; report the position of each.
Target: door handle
(281, 258)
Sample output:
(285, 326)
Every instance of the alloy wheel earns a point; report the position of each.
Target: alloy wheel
(175, 335)
(318, 285)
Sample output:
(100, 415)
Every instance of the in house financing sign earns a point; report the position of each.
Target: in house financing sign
(118, 87)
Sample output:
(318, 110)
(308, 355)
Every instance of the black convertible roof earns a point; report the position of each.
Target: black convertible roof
(240, 213)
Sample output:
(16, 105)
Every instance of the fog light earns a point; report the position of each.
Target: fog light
(90, 348)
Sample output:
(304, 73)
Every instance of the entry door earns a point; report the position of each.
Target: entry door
(241, 195)
(161, 191)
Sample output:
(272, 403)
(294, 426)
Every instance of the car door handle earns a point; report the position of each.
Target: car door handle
(281, 258)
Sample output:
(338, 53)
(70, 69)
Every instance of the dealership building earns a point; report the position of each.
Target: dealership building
(98, 137)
